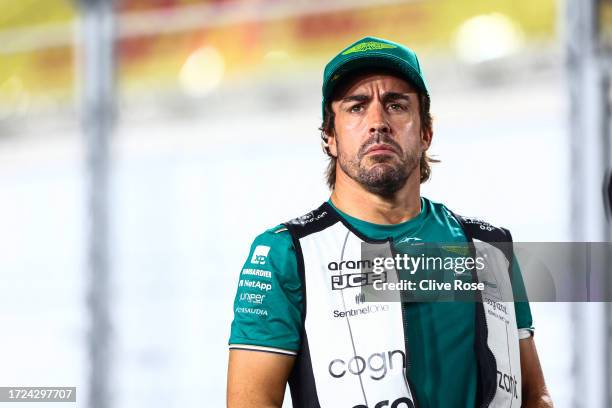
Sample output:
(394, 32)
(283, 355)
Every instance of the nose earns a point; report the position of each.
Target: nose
(378, 121)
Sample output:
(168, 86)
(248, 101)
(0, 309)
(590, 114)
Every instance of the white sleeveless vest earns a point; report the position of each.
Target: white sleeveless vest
(353, 353)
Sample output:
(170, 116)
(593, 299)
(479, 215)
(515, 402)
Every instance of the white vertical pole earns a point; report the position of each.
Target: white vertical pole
(98, 71)
(589, 134)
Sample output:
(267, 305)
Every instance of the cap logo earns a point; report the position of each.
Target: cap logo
(368, 46)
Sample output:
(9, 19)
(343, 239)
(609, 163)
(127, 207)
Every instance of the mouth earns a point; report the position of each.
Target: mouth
(380, 149)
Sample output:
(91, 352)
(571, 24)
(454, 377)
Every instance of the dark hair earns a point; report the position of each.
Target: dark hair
(327, 128)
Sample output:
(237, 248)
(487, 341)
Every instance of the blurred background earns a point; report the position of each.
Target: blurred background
(145, 143)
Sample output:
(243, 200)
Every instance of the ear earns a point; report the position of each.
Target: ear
(331, 144)
(426, 138)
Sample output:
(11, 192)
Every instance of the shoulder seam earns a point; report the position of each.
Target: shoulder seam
(314, 221)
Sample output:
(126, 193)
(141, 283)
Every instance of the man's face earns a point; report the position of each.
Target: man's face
(378, 139)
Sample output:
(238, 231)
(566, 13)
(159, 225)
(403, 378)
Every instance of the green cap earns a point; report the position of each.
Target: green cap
(372, 52)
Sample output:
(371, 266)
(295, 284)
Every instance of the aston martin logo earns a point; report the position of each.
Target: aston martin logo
(368, 46)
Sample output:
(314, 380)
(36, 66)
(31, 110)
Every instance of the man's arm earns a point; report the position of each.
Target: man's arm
(266, 330)
(535, 394)
(257, 379)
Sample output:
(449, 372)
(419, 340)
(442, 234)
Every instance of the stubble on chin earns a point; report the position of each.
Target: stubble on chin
(380, 175)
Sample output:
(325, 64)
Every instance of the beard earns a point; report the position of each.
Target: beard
(381, 174)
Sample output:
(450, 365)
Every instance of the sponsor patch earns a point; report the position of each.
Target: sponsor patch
(255, 298)
(266, 287)
(250, 310)
(257, 272)
(354, 280)
(260, 254)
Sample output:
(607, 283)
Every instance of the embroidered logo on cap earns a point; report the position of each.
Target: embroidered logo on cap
(368, 46)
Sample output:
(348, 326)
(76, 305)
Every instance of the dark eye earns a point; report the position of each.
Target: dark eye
(396, 107)
(356, 108)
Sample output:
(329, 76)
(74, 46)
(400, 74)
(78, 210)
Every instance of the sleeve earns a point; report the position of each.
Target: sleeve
(268, 303)
(524, 320)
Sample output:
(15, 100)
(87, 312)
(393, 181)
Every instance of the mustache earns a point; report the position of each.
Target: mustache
(380, 138)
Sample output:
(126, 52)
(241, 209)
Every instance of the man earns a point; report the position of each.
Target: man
(299, 314)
